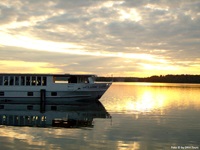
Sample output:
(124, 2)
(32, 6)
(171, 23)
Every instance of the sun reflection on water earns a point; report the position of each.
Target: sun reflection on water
(146, 102)
(122, 145)
(148, 97)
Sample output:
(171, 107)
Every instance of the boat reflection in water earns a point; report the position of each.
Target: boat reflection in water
(73, 116)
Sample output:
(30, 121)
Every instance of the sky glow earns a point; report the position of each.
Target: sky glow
(119, 38)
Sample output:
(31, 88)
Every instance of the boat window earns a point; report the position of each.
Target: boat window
(58, 79)
(16, 80)
(28, 80)
(6, 80)
(43, 118)
(1, 93)
(29, 107)
(1, 106)
(53, 93)
(33, 80)
(53, 107)
(22, 80)
(44, 81)
(38, 80)
(27, 119)
(72, 79)
(33, 118)
(1, 80)
(29, 93)
(11, 80)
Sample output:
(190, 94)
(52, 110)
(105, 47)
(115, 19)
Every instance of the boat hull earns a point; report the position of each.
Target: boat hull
(57, 94)
(62, 97)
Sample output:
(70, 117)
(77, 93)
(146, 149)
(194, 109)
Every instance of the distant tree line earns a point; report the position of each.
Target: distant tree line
(173, 79)
(161, 78)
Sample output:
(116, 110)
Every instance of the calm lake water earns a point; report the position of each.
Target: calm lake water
(145, 116)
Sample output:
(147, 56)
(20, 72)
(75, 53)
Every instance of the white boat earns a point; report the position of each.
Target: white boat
(47, 92)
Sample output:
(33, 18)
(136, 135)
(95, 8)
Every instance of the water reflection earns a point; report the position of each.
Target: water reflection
(79, 116)
(122, 145)
(144, 116)
(154, 116)
(148, 97)
(75, 115)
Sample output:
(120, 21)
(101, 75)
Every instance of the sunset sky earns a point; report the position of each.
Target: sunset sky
(137, 38)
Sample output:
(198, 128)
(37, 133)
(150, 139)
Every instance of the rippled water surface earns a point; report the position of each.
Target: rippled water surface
(144, 116)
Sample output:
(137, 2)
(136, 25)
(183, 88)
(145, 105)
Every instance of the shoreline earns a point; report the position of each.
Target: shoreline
(194, 79)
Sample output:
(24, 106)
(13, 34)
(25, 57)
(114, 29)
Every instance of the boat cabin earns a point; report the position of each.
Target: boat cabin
(43, 79)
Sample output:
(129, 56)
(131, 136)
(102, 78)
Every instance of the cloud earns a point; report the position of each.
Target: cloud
(164, 31)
